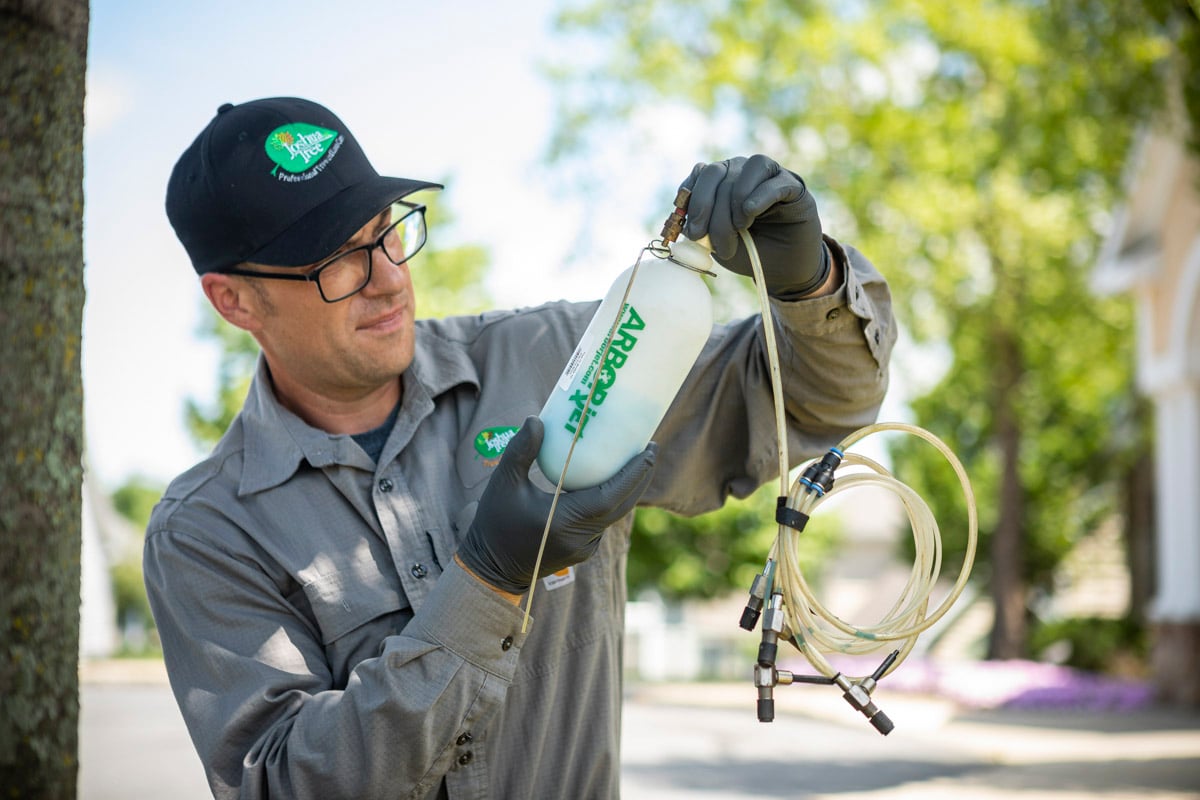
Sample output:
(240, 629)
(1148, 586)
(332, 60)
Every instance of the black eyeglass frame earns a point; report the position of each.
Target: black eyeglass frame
(314, 275)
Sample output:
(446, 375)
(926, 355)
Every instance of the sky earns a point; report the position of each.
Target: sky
(450, 92)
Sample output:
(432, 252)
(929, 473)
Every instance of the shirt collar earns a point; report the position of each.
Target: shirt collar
(277, 441)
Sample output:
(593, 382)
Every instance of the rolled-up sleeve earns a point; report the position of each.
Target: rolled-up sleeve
(252, 680)
(719, 439)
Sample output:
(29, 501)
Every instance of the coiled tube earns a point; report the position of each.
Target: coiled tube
(817, 630)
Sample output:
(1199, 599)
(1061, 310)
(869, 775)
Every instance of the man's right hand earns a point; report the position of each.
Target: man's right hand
(501, 546)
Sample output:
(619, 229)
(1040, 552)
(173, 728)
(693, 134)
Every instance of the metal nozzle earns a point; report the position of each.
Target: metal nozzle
(673, 225)
(858, 695)
(754, 605)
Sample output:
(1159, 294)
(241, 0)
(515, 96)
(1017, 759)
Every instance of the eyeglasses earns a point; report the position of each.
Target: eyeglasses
(346, 273)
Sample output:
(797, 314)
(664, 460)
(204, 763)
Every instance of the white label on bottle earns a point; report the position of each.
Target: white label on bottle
(568, 374)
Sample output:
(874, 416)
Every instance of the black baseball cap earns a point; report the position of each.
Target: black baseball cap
(278, 181)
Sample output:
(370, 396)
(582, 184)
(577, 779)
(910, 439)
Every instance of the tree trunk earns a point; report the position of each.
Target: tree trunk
(1174, 653)
(43, 48)
(1008, 547)
(1138, 502)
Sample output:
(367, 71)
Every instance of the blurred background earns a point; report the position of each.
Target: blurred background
(1024, 172)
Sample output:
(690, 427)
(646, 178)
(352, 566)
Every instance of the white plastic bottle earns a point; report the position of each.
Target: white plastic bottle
(664, 324)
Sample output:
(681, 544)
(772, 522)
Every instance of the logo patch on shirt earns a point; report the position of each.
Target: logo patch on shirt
(490, 442)
(563, 577)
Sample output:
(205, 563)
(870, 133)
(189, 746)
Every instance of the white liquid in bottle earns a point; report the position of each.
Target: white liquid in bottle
(665, 322)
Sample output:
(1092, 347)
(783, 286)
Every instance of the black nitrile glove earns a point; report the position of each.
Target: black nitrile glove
(758, 194)
(502, 543)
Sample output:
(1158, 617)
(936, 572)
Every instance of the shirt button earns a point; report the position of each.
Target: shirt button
(465, 758)
(419, 571)
(834, 313)
(466, 737)
(506, 643)
(385, 485)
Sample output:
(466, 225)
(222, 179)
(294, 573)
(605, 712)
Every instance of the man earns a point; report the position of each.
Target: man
(336, 585)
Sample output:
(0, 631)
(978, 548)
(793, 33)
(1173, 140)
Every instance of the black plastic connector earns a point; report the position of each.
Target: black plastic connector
(882, 723)
(818, 477)
(766, 708)
(754, 605)
(750, 614)
(772, 628)
(768, 652)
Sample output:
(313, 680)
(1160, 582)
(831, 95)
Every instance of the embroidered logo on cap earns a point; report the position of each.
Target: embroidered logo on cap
(299, 148)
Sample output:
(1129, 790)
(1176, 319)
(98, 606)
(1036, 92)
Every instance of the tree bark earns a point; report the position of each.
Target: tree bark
(43, 49)
(1140, 522)
(1174, 653)
(1008, 546)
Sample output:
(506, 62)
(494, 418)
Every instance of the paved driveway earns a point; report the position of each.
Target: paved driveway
(703, 742)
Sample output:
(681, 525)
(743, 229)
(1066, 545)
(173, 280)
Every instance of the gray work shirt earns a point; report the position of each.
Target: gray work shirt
(320, 639)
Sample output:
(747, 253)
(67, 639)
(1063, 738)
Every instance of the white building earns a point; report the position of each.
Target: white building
(1154, 253)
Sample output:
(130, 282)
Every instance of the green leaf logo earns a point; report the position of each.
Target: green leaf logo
(490, 442)
(298, 146)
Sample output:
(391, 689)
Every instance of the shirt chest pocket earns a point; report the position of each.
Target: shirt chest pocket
(343, 600)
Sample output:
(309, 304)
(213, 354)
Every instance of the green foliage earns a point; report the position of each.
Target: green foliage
(708, 555)
(129, 593)
(1095, 644)
(1080, 431)
(1181, 20)
(135, 499)
(448, 280)
(239, 352)
(973, 149)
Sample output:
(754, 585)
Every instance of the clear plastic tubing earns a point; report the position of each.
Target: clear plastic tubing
(664, 324)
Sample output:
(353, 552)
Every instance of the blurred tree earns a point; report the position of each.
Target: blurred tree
(973, 150)
(239, 353)
(1180, 19)
(708, 555)
(42, 68)
(134, 500)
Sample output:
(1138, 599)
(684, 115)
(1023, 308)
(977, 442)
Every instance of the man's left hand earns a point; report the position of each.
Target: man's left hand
(758, 194)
